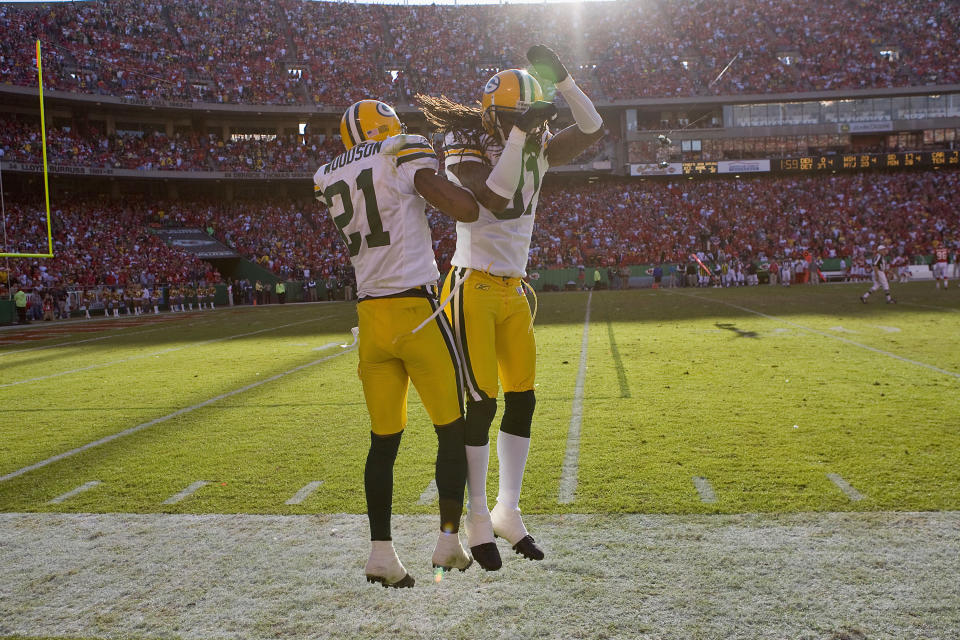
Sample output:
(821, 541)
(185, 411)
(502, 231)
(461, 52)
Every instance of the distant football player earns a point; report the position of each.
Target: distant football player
(941, 255)
(376, 193)
(501, 151)
(879, 276)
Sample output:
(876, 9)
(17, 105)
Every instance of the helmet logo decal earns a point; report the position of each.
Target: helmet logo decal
(492, 84)
(385, 110)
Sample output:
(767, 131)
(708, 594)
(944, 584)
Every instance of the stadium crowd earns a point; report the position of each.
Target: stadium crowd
(604, 224)
(297, 52)
(20, 142)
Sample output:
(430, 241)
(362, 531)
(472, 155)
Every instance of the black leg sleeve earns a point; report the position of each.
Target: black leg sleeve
(378, 483)
(451, 473)
(479, 418)
(518, 409)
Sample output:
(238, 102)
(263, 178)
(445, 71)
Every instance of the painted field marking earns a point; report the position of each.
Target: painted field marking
(929, 306)
(888, 329)
(189, 491)
(704, 489)
(305, 492)
(157, 353)
(571, 460)
(155, 421)
(844, 486)
(73, 492)
(842, 330)
(429, 494)
(827, 335)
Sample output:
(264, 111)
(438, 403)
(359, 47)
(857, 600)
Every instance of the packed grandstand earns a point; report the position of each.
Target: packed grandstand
(213, 115)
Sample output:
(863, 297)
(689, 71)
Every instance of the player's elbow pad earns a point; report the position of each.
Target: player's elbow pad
(584, 113)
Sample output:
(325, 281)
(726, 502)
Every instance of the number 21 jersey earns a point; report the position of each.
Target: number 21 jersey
(372, 200)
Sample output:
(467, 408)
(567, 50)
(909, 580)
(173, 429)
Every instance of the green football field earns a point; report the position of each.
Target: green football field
(681, 401)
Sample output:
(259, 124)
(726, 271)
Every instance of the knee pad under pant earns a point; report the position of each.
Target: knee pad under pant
(518, 412)
(479, 418)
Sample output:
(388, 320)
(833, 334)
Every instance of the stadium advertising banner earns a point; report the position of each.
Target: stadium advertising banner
(654, 169)
(743, 166)
(197, 242)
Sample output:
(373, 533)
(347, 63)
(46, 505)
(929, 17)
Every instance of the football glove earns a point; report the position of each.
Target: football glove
(546, 63)
(536, 115)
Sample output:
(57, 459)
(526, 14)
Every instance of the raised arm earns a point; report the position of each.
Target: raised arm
(451, 200)
(573, 140)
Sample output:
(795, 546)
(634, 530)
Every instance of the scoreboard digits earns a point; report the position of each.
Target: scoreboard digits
(855, 161)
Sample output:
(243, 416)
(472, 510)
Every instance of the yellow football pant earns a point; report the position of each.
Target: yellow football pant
(492, 324)
(390, 357)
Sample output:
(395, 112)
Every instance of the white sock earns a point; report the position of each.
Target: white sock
(478, 458)
(512, 453)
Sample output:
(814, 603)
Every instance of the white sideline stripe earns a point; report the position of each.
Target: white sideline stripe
(157, 353)
(828, 335)
(429, 494)
(704, 489)
(305, 492)
(189, 491)
(73, 492)
(571, 460)
(844, 486)
(178, 412)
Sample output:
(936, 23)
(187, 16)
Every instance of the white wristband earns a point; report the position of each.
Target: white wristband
(505, 176)
(584, 113)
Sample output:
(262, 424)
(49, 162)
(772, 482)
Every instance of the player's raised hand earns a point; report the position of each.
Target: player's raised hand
(536, 114)
(546, 63)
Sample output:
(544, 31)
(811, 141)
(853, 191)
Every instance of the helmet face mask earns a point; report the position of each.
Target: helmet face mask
(369, 120)
(505, 96)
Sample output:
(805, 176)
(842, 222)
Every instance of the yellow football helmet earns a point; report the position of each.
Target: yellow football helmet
(368, 120)
(509, 90)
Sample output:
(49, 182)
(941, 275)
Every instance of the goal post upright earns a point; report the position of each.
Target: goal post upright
(46, 182)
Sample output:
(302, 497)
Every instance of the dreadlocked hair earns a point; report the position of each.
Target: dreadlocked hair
(447, 116)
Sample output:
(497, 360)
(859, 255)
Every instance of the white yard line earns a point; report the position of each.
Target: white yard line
(305, 492)
(825, 334)
(156, 421)
(73, 492)
(704, 489)
(844, 486)
(571, 460)
(189, 491)
(157, 353)
(429, 494)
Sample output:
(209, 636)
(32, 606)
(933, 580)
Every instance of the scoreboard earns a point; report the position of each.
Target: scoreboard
(841, 162)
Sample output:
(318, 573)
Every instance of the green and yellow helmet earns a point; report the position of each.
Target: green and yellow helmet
(368, 120)
(510, 90)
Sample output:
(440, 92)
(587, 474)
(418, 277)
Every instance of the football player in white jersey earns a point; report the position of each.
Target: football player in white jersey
(879, 276)
(376, 193)
(501, 152)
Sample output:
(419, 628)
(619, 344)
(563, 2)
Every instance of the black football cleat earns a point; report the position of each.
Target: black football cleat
(487, 556)
(403, 583)
(527, 547)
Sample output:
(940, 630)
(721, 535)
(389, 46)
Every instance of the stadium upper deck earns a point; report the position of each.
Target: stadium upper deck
(293, 52)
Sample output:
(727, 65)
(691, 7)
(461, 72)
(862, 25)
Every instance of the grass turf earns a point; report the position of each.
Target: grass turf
(762, 391)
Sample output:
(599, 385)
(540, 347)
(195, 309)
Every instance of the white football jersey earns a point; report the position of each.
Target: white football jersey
(498, 242)
(373, 202)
